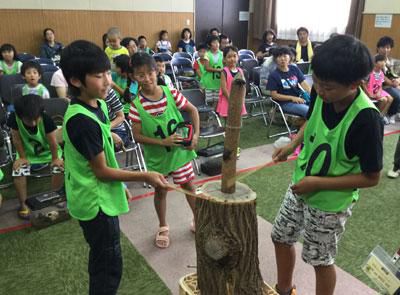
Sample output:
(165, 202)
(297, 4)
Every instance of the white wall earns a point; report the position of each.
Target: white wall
(121, 5)
(382, 6)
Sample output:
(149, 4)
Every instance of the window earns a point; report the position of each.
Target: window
(320, 17)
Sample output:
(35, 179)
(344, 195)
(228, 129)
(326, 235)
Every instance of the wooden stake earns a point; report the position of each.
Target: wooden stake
(232, 134)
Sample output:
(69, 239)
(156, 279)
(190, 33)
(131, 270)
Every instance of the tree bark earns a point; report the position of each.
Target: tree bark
(227, 242)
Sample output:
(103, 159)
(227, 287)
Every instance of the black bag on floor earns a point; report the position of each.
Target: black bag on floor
(212, 167)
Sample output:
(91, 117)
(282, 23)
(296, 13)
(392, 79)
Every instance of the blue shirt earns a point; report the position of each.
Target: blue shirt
(187, 47)
(279, 81)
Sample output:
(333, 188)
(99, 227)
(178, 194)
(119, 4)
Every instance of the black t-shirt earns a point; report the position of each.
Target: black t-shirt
(304, 53)
(84, 132)
(365, 135)
(48, 122)
(264, 47)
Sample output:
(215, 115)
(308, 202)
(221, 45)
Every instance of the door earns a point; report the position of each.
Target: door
(224, 15)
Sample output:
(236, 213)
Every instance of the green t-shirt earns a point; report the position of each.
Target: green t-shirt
(121, 83)
(86, 194)
(212, 80)
(324, 154)
(36, 145)
(160, 158)
(1, 175)
(13, 70)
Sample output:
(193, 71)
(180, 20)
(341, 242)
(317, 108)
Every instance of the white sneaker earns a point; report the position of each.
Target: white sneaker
(392, 120)
(393, 174)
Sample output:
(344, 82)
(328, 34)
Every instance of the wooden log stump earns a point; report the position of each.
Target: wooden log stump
(227, 242)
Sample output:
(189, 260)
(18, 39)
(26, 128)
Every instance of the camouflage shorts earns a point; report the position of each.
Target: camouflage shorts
(321, 230)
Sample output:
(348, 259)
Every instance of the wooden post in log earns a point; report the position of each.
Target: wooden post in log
(226, 222)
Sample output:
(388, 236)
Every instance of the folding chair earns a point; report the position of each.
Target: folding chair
(245, 57)
(7, 84)
(23, 57)
(247, 52)
(48, 68)
(164, 56)
(56, 107)
(249, 65)
(184, 73)
(304, 67)
(183, 54)
(43, 61)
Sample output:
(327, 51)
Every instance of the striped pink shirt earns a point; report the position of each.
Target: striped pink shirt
(156, 108)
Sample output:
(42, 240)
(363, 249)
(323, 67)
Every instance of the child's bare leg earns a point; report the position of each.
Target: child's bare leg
(20, 187)
(57, 181)
(128, 194)
(285, 261)
(189, 186)
(388, 100)
(325, 279)
(160, 203)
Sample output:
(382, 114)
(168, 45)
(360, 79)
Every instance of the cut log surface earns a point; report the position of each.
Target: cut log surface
(227, 242)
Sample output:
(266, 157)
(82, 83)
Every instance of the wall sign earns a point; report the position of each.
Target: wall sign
(383, 21)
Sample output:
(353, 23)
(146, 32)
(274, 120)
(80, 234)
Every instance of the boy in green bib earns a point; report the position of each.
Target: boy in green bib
(155, 114)
(211, 79)
(93, 181)
(34, 136)
(342, 152)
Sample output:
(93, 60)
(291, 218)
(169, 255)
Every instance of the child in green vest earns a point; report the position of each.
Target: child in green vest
(93, 181)
(155, 114)
(32, 72)
(8, 63)
(200, 62)
(120, 79)
(342, 152)
(211, 79)
(34, 137)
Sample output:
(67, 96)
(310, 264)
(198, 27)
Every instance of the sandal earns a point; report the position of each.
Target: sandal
(24, 213)
(162, 241)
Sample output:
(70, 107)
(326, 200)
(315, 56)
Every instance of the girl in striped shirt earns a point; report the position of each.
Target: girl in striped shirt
(155, 114)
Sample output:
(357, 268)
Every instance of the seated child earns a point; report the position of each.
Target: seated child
(131, 44)
(373, 87)
(32, 72)
(155, 113)
(59, 83)
(94, 188)
(284, 83)
(8, 63)
(143, 45)
(199, 63)
(114, 47)
(120, 79)
(34, 137)
(162, 78)
(163, 44)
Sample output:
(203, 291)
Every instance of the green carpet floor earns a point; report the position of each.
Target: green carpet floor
(375, 217)
(54, 261)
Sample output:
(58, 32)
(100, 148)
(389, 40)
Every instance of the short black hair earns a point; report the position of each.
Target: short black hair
(342, 59)
(31, 64)
(140, 59)
(158, 58)
(80, 58)
(283, 50)
(29, 106)
(230, 48)
(8, 47)
(222, 36)
(269, 31)
(302, 29)
(122, 61)
(162, 32)
(104, 38)
(184, 31)
(201, 46)
(384, 41)
(141, 37)
(214, 29)
(211, 39)
(125, 41)
(379, 57)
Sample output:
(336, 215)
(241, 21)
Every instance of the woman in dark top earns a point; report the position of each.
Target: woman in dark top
(268, 41)
(50, 48)
(186, 44)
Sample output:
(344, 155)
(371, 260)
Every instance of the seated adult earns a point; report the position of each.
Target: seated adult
(186, 44)
(392, 80)
(284, 83)
(59, 83)
(304, 47)
(50, 48)
(268, 41)
(131, 44)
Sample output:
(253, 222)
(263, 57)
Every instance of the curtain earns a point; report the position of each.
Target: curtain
(354, 23)
(264, 17)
